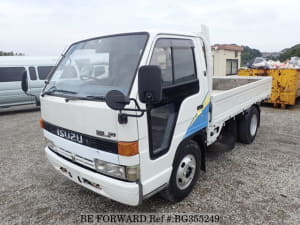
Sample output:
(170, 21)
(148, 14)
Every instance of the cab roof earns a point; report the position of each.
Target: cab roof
(151, 32)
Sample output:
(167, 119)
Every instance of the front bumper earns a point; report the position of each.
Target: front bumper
(120, 191)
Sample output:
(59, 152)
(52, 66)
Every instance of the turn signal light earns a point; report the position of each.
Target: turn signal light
(128, 148)
(42, 123)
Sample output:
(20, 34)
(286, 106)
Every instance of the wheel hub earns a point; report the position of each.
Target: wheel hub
(253, 124)
(186, 171)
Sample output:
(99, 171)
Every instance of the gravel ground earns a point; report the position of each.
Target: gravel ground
(250, 184)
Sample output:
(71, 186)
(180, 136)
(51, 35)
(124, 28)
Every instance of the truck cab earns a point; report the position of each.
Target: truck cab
(129, 115)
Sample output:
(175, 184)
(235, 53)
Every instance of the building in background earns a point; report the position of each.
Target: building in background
(226, 59)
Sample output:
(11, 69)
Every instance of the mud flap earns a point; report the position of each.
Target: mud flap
(228, 134)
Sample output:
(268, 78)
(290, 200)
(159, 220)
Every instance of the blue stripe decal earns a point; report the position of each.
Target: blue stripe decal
(200, 122)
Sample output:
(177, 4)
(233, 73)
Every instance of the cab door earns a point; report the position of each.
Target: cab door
(168, 121)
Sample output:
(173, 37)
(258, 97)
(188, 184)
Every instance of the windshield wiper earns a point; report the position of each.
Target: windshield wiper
(89, 97)
(54, 89)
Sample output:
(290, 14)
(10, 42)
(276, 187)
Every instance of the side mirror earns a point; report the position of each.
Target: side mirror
(150, 84)
(116, 100)
(24, 82)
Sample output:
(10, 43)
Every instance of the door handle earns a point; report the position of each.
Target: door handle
(200, 107)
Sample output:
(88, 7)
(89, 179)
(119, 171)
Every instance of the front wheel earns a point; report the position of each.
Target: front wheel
(248, 125)
(185, 172)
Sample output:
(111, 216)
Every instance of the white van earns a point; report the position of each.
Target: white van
(11, 70)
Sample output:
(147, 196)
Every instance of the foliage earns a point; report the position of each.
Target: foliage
(249, 54)
(290, 52)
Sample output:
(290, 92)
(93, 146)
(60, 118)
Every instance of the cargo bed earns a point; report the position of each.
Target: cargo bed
(232, 95)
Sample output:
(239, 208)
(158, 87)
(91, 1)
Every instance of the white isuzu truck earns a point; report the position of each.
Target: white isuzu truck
(130, 115)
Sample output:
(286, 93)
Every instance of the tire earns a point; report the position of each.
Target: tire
(248, 125)
(37, 101)
(183, 177)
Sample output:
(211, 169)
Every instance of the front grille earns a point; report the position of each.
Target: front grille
(90, 168)
(74, 157)
(83, 139)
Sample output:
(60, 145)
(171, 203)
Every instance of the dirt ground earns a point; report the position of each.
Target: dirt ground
(250, 184)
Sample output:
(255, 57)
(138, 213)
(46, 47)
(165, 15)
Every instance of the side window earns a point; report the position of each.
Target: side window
(184, 64)
(175, 57)
(44, 71)
(162, 58)
(11, 74)
(163, 120)
(32, 73)
(231, 66)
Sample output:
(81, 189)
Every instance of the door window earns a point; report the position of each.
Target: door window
(175, 57)
(32, 73)
(184, 65)
(11, 74)
(162, 58)
(44, 71)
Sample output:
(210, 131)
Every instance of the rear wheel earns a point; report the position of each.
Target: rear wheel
(185, 172)
(248, 125)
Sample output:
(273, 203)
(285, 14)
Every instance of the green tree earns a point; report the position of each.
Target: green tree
(290, 52)
(248, 54)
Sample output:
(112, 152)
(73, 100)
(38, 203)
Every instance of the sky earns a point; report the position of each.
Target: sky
(44, 27)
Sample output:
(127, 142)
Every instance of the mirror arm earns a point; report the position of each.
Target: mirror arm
(137, 105)
(123, 117)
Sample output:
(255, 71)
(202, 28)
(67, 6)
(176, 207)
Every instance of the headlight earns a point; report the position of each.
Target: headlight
(110, 169)
(130, 173)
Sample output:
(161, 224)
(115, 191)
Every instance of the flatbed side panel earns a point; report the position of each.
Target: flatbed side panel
(285, 85)
(229, 103)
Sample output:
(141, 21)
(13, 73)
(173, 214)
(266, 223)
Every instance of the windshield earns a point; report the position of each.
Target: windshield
(94, 67)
